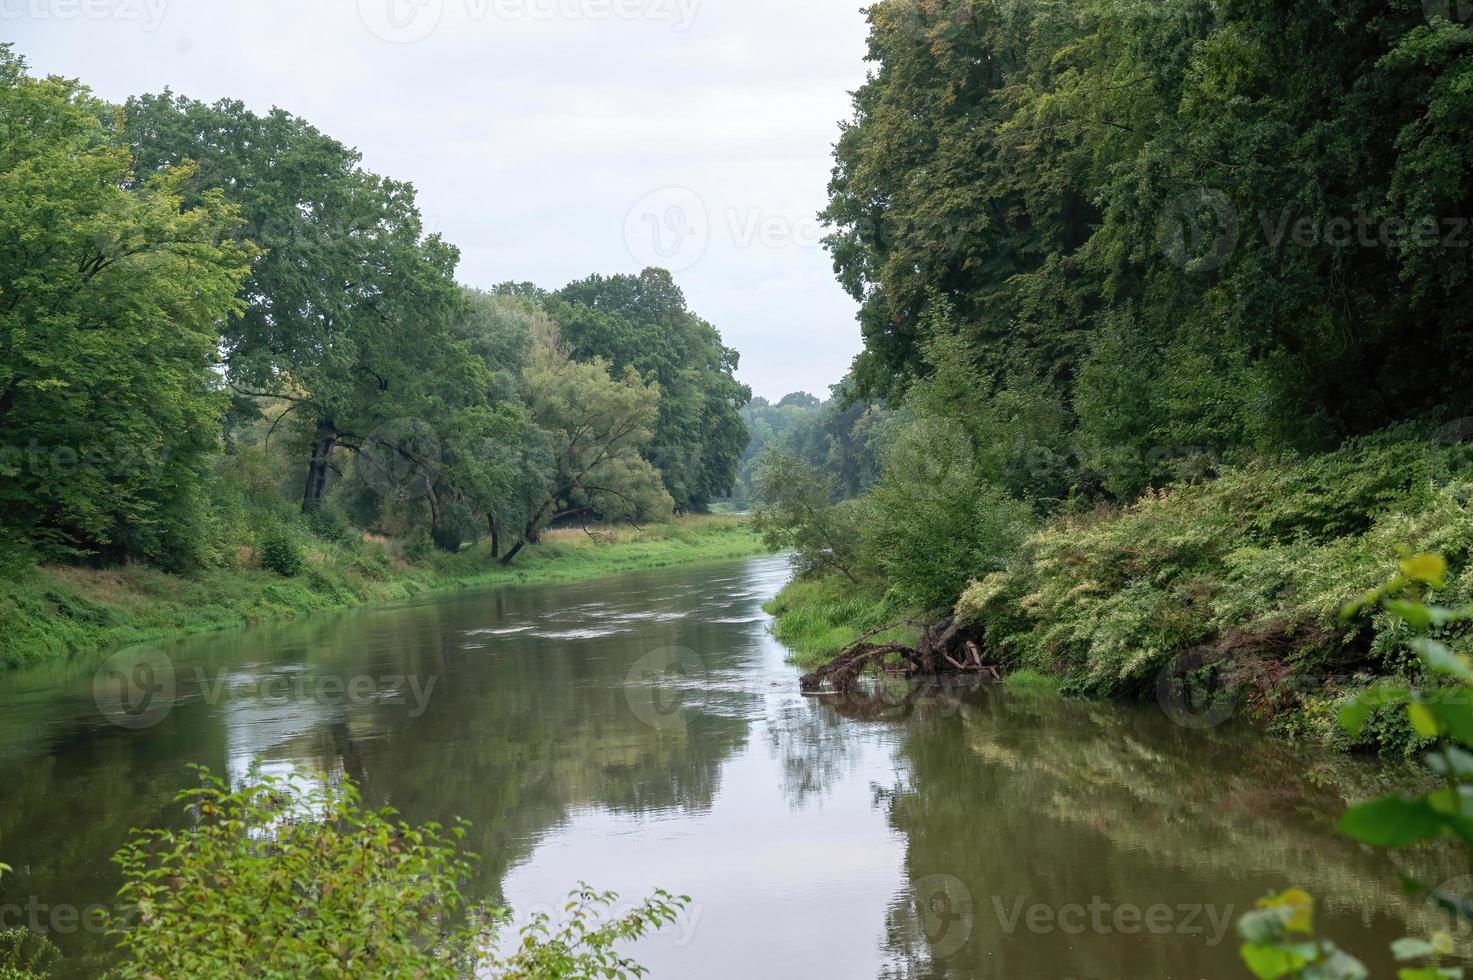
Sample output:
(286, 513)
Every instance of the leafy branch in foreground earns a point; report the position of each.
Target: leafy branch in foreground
(275, 881)
(1278, 936)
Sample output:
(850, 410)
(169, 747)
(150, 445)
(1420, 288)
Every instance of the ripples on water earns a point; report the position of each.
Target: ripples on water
(645, 731)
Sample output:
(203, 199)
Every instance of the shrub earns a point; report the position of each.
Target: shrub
(314, 884)
(281, 552)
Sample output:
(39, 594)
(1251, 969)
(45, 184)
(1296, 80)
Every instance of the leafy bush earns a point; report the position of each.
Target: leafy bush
(1254, 566)
(797, 513)
(280, 880)
(281, 552)
(331, 525)
(931, 526)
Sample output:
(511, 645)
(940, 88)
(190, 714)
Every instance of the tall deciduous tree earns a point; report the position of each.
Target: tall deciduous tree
(113, 293)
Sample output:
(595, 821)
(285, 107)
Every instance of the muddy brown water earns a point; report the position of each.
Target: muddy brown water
(646, 731)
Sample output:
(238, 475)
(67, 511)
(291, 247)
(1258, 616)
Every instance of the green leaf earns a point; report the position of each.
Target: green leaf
(1270, 962)
(1412, 948)
(1418, 616)
(1451, 761)
(1440, 658)
(1431, 569)
(1354, 715)
(1424, 723)
(1391, 822)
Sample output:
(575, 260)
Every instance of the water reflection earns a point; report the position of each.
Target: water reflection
(646, 731)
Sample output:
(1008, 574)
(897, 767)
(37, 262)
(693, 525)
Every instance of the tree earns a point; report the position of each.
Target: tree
(113, 291)
(796, 512)
(643, 322)
(348, 305)
(596, 429)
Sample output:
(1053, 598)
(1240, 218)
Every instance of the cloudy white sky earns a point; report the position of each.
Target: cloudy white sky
(548, 139)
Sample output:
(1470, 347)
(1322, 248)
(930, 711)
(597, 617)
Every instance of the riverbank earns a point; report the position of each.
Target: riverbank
(1234, 582)
(53, 611)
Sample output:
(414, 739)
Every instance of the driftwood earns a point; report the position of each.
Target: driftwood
(948, 647)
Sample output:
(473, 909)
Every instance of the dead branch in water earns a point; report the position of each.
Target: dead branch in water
(945, 648)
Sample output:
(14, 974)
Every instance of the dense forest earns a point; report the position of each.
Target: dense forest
(217, 329)
(1169, 305)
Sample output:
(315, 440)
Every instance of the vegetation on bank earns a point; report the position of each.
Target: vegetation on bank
(1161, 374)
(55, 609)
(1249, 568)
(321, 885)
(218, 320)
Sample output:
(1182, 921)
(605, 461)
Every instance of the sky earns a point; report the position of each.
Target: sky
(548, 139)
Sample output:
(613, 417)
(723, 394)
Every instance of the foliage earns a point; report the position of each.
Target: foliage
(584, 945)
(25, 955)
(1208, 227)
(1253, 567)
(931, 525)
(1278, 936)
(817, 617)
(318, 885)
(839, 436)
(797, 514)
(642, 322)
(281, 552)
(111, 310)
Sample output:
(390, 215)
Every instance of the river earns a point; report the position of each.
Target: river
(646, 731)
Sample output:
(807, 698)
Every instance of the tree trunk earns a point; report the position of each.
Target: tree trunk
(515, 550)
(327, 441)
(495, 535)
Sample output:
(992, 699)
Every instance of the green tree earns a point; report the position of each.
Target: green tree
(595, 429)
(349, 304)
(643, 322)
(113, 292)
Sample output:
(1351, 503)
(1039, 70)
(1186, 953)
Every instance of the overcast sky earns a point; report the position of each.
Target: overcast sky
(548, 139)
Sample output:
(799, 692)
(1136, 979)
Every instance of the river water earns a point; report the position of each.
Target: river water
(646, 731)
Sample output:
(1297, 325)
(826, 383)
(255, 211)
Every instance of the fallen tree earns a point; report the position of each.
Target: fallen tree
(948, 647)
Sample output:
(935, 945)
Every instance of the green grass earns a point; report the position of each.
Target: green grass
(1031, 680)
(818, 618)
(52, 611)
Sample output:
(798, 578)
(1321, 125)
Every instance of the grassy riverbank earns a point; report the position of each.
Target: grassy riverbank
(1251, 569)
(51, 611)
